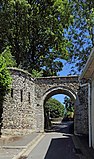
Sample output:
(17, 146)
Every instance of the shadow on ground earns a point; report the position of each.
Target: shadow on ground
(63, 127)
(66, 148)
(61, 148)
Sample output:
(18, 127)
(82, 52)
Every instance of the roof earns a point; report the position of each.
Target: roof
(88, 70)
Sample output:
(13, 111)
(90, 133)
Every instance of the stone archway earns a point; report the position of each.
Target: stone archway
(28, 97)
(58, 90)
(47, 87)
(54, 91)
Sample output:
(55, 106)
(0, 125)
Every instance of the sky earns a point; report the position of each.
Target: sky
(65, 71)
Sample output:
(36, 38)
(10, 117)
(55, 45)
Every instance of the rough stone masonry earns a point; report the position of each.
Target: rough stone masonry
(23, 107)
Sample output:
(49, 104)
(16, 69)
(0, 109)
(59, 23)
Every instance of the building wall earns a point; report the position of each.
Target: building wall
(18, 107)
(88, 75)
(92, 112)
(81, 112)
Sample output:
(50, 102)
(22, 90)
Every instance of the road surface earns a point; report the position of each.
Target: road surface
(56, 144)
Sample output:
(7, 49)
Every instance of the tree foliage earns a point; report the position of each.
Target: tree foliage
(42, 32)
(35, 73)
(35, 32)
(6, 60)
(9, 59)
(81, 32)
(69, 107)
(54, 107)
(5, 79)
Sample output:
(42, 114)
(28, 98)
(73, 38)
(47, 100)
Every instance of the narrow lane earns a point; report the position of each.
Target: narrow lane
(57, 144)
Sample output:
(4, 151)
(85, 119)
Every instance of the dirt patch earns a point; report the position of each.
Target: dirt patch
(7, 139)
(14, 138)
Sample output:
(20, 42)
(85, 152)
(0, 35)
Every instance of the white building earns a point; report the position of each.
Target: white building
(88, 74)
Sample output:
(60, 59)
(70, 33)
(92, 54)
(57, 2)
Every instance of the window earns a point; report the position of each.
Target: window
(21, 95)
(11, 92)
(29, 97)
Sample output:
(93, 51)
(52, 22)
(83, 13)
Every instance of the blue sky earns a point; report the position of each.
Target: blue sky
(65, 71)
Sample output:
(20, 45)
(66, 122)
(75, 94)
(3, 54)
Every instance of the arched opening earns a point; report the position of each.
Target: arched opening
(48, 112)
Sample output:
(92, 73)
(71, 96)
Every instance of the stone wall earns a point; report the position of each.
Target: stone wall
(23, 108)
(18, 109)
(81, 112)
(46, 87)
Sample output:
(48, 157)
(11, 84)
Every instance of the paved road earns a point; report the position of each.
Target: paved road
(56, 144)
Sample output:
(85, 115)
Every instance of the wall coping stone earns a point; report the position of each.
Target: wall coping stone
(21, 70)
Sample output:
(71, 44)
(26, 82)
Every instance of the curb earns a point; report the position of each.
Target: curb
(29, 147)
(13, 147)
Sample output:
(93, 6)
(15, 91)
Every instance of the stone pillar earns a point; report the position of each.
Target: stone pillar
(39, 115)
(92, 112)
(81, 112)
(76, 115)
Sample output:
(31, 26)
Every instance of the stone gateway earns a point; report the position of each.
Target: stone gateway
(23, 107)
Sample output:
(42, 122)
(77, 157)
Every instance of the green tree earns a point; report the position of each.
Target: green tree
(35, 32)
(69, 107)
(6, 60)
(36, 73)
(9, 59)
(5, 79)
(54, 107)
(81, 32)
